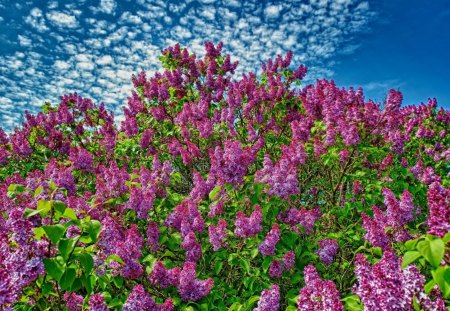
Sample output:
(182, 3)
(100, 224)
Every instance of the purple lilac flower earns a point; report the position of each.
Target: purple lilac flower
(190, 287)
(289, 260)
(192, 247)
(275, 269)
(218, 234)
(164, 277)
(140, 300)
(186, 211)
(74, 302)
(269, 300)
(304, 217)
(439, 205)
(81, 159)
(357, 187)
(386, 286)
(248, 226)
(267, 247)
(97, 303)
(230, 164)
(153, 236)
(320, 295)
(282, 178)
(328, 248)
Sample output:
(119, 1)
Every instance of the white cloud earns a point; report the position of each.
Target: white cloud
(24, 41)
(98, 57)
(62, 19)
(272, 11)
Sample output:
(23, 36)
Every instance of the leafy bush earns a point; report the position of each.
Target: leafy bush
(227, 193)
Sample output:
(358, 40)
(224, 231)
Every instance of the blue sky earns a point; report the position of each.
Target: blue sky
(49, 48)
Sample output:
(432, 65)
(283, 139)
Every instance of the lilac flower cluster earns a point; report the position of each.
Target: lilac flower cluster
(190, 288)
(97, 303)
(320, 295)
(328, 248)
(164, 277)
(230, 164)
(439, 205)
(20, 256)
(192, 247)
(217, 234)
(127, 244)
(248, 226)
(186, 218)
(304, 217)
(289, 260)
(111, 181)
(81, 159)
(386, 286)
(398, 214)
(140, 300)
(275, 269)
(153, 236)
(269, 300)
(151, 185)
(74, 302)
(282, 178)
(267, 247)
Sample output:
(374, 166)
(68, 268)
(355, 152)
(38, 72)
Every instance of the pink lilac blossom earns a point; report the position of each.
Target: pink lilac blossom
(248, 226)
(153, 236)
(164, 277)
(267, 247)
(386, 286)
(328, 248)
(192, 247)
(217, 234)
(191, 288)
(275, 269)
(289, 260)
(282, 177)
(439, 204)
(140, 300)
(269, 300)
(74, 302)
(97, 303)
(230, 164)
(318, 294)
(305, 218)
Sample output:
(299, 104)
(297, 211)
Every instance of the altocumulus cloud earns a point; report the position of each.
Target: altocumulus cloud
(93, 47)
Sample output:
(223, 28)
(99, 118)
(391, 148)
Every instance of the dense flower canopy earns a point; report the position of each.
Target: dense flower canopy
(218, 189)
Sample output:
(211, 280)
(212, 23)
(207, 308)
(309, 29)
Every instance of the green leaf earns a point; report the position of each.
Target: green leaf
(59, 206)
(93, 228)
(66, 246)
(218, 267)
(54, 232)
(67, 278)
(432, 250)
(86, 261)
(44, 206)
(115, 258)
(214, 193)
(245, 264)
(353, 303)
(16, 188)
(118, 281)
(251, 301)
(70, 213)
(31, 212)
(266, 263)
(409, 258)
(53, 268)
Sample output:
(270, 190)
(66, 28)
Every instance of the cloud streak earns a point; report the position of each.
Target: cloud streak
(93, 47)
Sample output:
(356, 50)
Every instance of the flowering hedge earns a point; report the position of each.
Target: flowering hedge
(219, 192)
